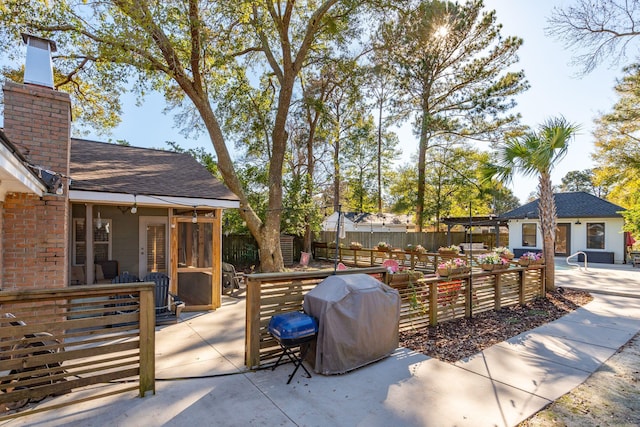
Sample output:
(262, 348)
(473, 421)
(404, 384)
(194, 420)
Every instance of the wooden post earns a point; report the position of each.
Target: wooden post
(147, 340)
(497, 298)
(522, 287)
(433, 303)
(252, 338)
(468, 297)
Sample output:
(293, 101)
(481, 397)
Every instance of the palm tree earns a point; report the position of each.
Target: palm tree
(536, 153)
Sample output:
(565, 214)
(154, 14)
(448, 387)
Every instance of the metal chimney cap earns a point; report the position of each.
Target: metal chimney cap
(38, 67)
(27, 36)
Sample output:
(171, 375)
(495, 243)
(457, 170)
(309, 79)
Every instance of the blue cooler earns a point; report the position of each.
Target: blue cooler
(294, 328)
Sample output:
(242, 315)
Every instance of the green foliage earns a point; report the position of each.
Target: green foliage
(617, 154)
(453, 72)
(632, 220)
(534, 152)
(584, 180)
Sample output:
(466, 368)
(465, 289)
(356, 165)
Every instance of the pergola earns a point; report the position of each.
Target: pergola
(475, 221)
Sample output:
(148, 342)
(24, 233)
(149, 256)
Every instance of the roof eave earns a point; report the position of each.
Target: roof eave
(78, 196)
(22, 178)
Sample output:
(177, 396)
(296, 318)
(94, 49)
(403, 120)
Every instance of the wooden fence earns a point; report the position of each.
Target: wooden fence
(57, 341)
(429, 240)
(242, 250)
(424, 300)
(430, 300)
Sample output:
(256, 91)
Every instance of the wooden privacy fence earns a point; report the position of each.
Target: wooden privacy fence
(424, 300)
(57, 341)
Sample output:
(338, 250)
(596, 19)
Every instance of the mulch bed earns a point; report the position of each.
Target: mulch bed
(454, 340)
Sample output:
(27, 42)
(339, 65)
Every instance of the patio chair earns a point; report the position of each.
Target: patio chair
(168, 305)
(230, 278)
(125, 307)
(125, 278)
(391, 265)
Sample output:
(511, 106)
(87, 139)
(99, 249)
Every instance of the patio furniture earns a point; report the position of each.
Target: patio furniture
(391, 265)
(230, 278)
(125, 277)
(109, 268)
(292, 330)
(168, 305)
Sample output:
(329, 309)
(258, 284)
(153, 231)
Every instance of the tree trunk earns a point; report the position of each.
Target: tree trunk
(422, 155)
(547, 215)
(380, 154)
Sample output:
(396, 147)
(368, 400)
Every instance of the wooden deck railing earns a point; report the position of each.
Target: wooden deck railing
(57, 341)
(365, 257)
(424, 301)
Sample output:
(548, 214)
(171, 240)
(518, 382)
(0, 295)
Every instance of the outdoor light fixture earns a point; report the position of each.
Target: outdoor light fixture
(194, 218)
(578, 222)
(59, 187)
(134, 208)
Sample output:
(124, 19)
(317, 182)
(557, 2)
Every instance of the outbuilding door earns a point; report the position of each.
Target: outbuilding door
(563, 239)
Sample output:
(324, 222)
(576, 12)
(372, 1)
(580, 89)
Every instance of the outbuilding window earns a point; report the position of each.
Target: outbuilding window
(529, 235)
(595, 235)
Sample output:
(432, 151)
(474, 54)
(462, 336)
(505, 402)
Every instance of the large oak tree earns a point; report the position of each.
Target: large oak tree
(221, 63)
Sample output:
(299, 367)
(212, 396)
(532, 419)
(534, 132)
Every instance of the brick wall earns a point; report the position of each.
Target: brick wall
(35, 230)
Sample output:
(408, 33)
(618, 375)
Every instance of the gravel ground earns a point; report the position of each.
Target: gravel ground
(457, 339)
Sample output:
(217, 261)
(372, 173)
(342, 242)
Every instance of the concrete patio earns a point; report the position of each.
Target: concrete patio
(500, 386)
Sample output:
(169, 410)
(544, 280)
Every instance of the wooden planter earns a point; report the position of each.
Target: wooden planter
(448, 252)
(524, 262)
(487, 267)
(443, 272)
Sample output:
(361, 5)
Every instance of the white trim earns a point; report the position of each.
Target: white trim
(21, 178)
(78, 196)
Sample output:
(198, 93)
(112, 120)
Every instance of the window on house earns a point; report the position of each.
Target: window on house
(101, 240)
(595, 235)
(529, 235)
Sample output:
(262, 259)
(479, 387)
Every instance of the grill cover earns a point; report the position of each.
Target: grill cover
(358, 320)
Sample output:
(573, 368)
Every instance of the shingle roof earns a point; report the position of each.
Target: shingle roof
(389, 218)
(571, 205)
(112, 168)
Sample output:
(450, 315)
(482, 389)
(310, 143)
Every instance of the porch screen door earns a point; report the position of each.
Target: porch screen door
(154, 245)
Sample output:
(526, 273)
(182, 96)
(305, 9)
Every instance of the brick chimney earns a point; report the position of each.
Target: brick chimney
(37, 119)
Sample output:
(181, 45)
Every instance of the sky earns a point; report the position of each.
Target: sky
(556, 89)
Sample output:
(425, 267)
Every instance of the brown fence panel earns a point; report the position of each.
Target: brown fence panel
(431, 300)
(59, 341)
(424, 300)
(269, 294)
